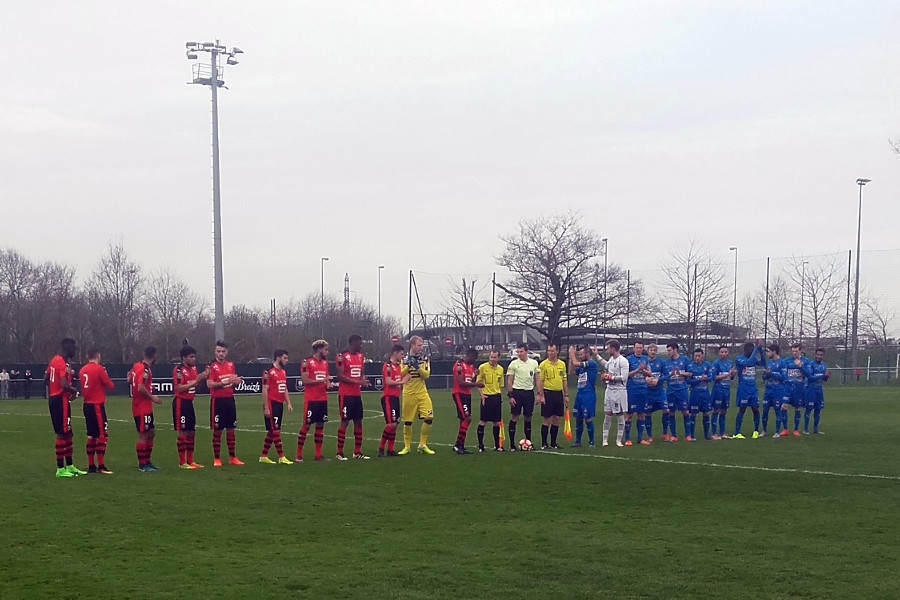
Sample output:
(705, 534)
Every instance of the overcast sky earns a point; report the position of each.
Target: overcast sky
(412, 134)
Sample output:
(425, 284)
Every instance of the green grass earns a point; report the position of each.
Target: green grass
(667, 521)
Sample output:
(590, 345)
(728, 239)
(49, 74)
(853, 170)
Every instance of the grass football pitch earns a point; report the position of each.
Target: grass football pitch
(807, 517)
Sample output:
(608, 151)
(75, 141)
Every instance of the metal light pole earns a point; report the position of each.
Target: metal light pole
(322, 297)
(854, 351)
(212, 76)
(380, 267)
(802, 292)
(734, 299)
(605, 280)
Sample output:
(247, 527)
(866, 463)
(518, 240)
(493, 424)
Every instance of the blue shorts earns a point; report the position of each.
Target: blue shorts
(677, 400)
(773, 397)
(637, 400)
(656, 400)
(584, 408)
(721, 397)
(815, 398)
(747, 396)
(700, 400)
(797, 395)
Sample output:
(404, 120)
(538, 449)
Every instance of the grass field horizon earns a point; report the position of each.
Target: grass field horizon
(804, 517)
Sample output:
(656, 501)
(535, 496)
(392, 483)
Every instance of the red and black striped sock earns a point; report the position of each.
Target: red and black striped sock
(461, 436)
(229, 438)
(383, 441)
(276, 439)
(149, 449)
(189, 450)
(60, 452)
(301, 438)
(357, 438)
(91, 448)
(342, 435)
(182, 449)
(217, 442)
(319, 436)
(391, 436)
(69, 447)
(100, 448)
(141, 449)
(266, 444)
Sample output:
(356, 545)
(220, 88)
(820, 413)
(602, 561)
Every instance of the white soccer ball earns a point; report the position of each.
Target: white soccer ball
(525, 445)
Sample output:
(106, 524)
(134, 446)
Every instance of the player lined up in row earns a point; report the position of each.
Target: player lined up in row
(634, 388)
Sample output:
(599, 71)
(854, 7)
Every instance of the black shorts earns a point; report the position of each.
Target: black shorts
(276, 413)
(183, 416)
(554, 404)
(463, 404)
(144, 422)
(524, 402)
(95, 420)
(351, 408)
(491, 409)
(222, 413)
(316, 411)
(390, 407)
(60, 414)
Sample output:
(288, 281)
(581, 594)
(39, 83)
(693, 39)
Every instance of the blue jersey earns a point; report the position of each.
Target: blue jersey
(676, 382)
(657, 370)
(746, 367)
(587, 379)
(638, 380)
(776, 373)
(815, 372)
(719, 367)
(794, 375)
(697, 372)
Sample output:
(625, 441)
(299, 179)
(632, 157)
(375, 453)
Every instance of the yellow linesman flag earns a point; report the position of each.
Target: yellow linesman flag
(502, 434)
(567, 428)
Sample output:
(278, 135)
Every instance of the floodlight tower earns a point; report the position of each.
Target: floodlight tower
(854, 343)
(213, 76)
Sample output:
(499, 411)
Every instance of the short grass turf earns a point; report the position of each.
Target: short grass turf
(807, 517)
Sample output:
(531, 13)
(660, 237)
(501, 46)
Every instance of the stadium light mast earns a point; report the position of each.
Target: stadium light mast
(802, 292)
(605, 281)
(380, 267)
(734, 299)
(854, 351)
(212, 75)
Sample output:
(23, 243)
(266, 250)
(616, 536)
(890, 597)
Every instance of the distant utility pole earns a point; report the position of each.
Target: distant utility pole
(212, 75)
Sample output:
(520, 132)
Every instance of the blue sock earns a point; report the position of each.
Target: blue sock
(648, 425)
(715, 422)
(806, 414)
(722, 423)
(706, 426)
(687, 424)
(738, 421)
(665, 423)
(756, 421)
(640, 429)
(784, 419)
(694, 426)
(590, 428)
(673, 425)
(627, 429)
(579, 429)
(765, 420)
(816, 415)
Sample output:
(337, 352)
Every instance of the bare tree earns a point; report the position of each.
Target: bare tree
(466, 308)
(172, 310)
(557, 282)
(878, 321)
(823, 285)
(782, 306)
(694, 284)
(114, 294)
(749, 315)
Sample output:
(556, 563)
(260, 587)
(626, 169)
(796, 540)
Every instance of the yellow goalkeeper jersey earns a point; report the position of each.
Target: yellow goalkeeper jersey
(420, 370)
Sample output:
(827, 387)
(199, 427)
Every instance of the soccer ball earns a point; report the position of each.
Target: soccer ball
(525, 445)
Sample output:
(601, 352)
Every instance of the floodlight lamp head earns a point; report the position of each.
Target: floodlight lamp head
(208, 44)
(236, 50)
(231, 61)
(190, 44)
(733, 248)
(191, 55)
(862, 181)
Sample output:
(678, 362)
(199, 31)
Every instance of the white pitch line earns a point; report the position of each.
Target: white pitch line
(666, 461)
